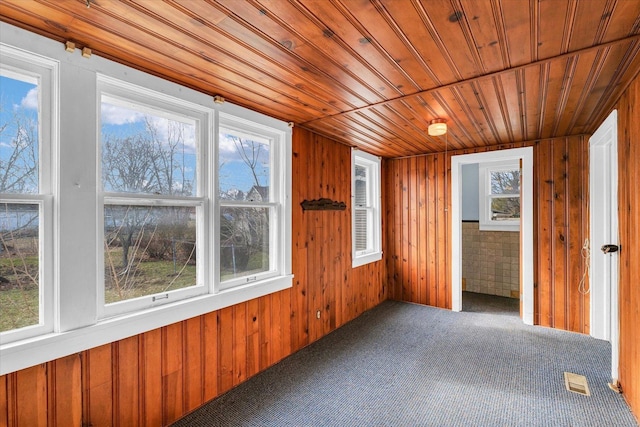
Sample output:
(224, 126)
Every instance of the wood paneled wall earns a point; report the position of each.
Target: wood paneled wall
(154, 378)
(419, 229)
(629, 226)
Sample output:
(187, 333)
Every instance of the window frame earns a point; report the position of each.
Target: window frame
(374, 220)
(76, 323)
(46, 72)
(143, 99)
(276, 203)
(486, 223)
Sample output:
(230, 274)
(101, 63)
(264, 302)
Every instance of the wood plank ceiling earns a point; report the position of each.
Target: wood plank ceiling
(373, 73)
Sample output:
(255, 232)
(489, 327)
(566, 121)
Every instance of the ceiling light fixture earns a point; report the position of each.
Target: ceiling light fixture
(437, 127)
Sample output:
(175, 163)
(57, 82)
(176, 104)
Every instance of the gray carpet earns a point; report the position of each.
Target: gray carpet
(403, 364)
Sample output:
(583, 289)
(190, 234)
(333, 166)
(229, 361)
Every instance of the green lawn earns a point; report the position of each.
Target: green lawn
(19, 307)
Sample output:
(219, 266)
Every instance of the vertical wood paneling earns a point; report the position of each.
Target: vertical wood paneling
(151, 383)
(126, 382)
(193, 368)
(629, 225)
(560, 207)
(172, 383)
(154, 378)
(65, 391)
(97, 379)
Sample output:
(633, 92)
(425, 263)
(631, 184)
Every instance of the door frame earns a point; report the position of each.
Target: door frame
(526, 228)
(603, 229)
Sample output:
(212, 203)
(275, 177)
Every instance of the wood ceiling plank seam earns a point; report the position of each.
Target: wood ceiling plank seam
(353, 123)
(468, 35)
(308, 66)
(456, 125)
(263, 45)
(486, 112)
(461, 100)
(364, 32)
(569, 23)
(451, 130)
(567, 84)
(424, 16)
(398, 130)
(159, 65)
(614, 86)
(498, 19)
(409, 123)
(347, 134)
(395, 130)
(604, 23)
(534, 7)
(245, 63)
(522, 102)
(312, 88)
(342, 125)
(329, 58)
(372, 40)
(486, 76)
(545, 69)
(498, 87)
(596, 69)
(405, 40)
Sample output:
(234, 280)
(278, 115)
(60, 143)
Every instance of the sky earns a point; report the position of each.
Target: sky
(123, 121)
(16, 96)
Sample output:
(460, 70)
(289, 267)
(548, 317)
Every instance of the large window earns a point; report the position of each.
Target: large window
(151, 150)
(365, 208)
(499, 196)
(127, 202)
(26, 140)
(251, 201)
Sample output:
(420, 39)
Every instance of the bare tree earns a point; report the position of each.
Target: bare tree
(19, 163)
(146, 162)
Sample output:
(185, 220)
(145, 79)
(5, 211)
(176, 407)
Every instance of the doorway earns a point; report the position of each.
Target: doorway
(603, 213)
(525, 155)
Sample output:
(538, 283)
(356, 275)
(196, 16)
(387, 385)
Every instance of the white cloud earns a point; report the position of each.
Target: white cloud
(30, 100)
(116, 115)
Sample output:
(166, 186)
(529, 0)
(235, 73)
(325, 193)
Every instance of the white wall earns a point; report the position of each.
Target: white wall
(470, 194)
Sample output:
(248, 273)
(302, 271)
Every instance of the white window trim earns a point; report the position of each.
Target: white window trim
(46, 71)
(141, 99)
(277, 204)
(76, 325)
(484, 199)
(372, 163)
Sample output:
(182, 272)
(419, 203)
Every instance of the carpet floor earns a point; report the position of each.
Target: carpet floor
(403, 364)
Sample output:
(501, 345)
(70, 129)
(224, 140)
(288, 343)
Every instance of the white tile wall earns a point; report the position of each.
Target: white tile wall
(491, 261)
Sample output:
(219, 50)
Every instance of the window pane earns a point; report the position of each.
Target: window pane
(505, 182)
(244, 241)
(505, 208)
(244, 168)
(361, 186)
(146, 152)
(148, 250)
(361, 229)
(19, 266)
(19, 109)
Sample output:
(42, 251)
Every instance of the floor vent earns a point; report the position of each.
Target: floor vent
(576, 383)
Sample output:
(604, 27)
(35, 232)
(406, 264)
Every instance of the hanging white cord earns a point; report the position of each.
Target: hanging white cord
(446, 172)
(583, 287)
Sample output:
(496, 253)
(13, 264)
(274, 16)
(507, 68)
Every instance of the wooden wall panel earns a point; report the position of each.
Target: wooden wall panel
(629, 226)
(154, 378)
(418, 265)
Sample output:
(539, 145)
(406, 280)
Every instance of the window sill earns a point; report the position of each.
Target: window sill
(498, 227)
(29, 352)
(366, 259)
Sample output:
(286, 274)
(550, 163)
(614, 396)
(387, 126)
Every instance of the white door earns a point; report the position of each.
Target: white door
(603, 186)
